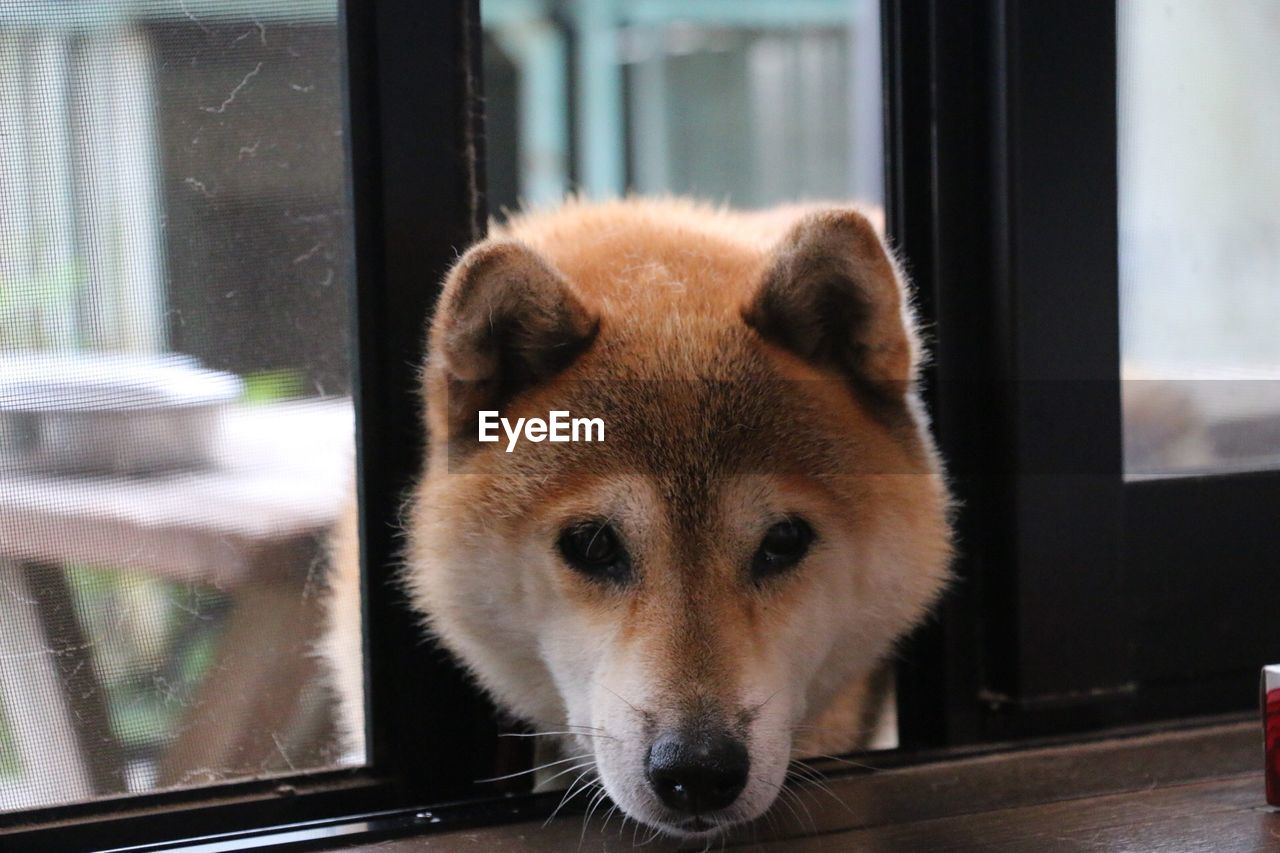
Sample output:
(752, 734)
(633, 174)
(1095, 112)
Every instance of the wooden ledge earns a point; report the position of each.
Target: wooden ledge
(1185, 789)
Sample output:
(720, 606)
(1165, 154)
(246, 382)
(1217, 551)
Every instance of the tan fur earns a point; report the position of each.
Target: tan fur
(342, 643)
(677, 324)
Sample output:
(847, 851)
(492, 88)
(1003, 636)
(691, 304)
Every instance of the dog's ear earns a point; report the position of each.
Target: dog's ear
(505, 321)
(832, 296)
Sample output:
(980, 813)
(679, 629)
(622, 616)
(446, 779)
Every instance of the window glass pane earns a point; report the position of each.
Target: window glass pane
(753, 105)
(175, 425)
(1199, 115)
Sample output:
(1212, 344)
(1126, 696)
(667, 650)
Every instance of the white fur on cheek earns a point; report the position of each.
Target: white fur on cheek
(482, 595)
(770, 748)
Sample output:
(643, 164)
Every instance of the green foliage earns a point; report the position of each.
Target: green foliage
(39, 312)
(269, 386)
(10, 761)
(153, 644)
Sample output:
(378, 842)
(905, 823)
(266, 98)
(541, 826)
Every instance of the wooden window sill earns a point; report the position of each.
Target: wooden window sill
(1196, 788)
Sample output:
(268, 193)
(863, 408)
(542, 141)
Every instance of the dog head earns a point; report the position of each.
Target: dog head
(764, 516)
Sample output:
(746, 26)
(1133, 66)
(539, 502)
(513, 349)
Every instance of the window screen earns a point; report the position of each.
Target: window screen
(176, 430)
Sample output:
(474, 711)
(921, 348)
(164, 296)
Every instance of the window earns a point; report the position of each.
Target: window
(1088, 596)
(175, 375)
(1107, 577)
(741, 103)
(354, 185)
(1198, 251)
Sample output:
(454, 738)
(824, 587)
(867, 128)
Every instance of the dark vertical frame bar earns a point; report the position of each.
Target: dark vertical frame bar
(1130, 601)
(1061, 286)
(938, 127)
(416, 147)
(1001, 130)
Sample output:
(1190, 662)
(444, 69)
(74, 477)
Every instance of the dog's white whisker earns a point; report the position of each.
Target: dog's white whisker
(653, 836)
(781, 801)
(756, 709)
(595, 800)
(554, 734)
(771, 819)
(781, 790)
(656, 835)
(602, 527)
(608, 816)
(569, 794)
(803, 772)
(545, 782)
(846, 761)
(826, 789)
(591, 809)
(808, 776)
(786, 794)
(535, 769)
(800, 800)
(629, 704)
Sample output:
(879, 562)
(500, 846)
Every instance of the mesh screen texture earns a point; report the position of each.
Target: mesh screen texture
(176, 433)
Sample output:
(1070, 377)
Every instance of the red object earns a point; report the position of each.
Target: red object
(1271, 728)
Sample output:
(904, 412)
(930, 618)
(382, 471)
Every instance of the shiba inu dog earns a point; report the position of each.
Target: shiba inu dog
(702, 594)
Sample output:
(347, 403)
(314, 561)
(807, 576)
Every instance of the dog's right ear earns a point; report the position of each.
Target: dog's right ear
(505, 321)
(832, 295)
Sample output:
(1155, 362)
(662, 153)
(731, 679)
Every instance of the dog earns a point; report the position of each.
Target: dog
(709, 590)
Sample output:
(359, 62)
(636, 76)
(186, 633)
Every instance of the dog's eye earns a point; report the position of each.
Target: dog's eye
(594, 549)
(784, 545)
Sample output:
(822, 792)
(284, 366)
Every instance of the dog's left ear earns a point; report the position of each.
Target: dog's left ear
(832, 296)
(506, 321)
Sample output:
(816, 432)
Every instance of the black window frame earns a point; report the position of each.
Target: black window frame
(1000, 122)
(1073, 584)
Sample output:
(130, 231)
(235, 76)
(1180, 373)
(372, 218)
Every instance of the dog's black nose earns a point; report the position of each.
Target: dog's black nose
(699, 773)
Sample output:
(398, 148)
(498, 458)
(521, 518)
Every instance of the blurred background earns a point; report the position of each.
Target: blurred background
(175, 425)
(744, 102)
(1198, 101)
